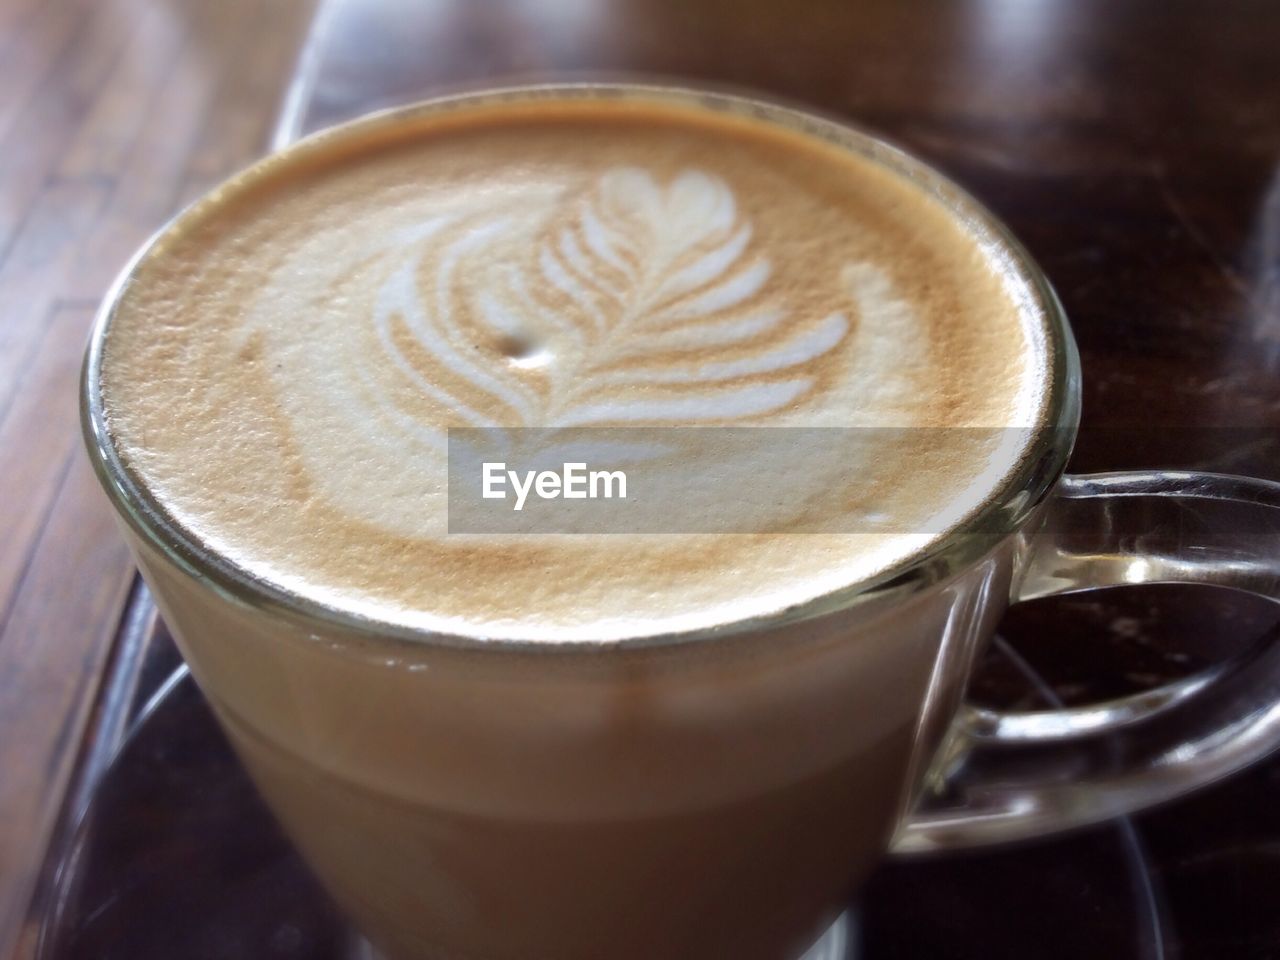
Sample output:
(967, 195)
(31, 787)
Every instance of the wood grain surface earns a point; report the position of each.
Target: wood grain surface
(1134, 146)
(113, 113)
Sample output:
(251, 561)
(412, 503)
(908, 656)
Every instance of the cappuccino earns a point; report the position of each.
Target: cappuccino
(682, 758)
(280, 373)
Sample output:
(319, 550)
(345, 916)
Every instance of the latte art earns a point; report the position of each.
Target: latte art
(633, 283)
(562, 265)
(627, 301)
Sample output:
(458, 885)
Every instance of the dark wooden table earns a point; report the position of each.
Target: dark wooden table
(1134, 146)
(113, 113)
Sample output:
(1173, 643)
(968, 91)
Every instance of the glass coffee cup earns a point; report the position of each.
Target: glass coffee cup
(709, 792)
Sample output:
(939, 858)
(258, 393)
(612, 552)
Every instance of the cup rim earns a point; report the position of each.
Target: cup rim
(1003, 512)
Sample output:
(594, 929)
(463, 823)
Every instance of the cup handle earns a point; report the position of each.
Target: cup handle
(1009, 776)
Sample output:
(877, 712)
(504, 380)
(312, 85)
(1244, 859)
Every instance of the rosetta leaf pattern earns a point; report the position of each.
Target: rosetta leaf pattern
(633, 301)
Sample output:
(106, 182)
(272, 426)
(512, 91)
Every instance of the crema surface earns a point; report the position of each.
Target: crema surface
(283, 365)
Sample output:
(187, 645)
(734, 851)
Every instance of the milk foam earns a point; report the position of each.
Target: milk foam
(283, 368)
